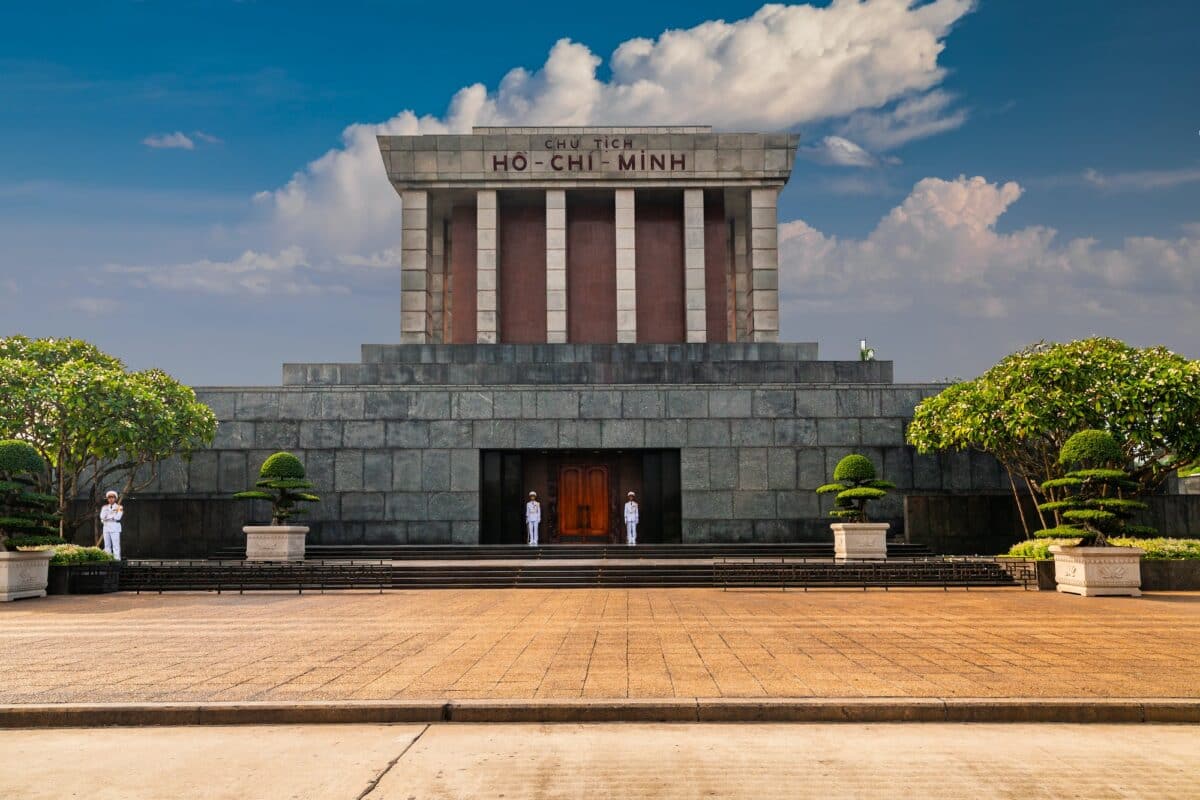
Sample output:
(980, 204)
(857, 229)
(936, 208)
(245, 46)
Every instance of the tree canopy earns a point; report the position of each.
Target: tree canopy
(95, 423)
(1023, 410)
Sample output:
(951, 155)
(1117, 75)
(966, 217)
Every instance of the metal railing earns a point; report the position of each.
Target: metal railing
(805, 573)
(226, 575)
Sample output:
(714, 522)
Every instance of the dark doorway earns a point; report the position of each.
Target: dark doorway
(582, 494)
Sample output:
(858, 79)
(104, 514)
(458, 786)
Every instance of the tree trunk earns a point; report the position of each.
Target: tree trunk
(1033, 494)
(1020, 507)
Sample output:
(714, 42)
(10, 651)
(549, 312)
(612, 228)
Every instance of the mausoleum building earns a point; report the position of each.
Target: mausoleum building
(583, 312)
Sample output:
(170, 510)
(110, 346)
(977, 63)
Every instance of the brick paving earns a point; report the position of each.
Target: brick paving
(597, 643)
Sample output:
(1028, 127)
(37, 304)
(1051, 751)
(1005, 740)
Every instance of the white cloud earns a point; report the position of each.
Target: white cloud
(1144, 180)
(287, 272)
(939, 251)
(207, 138)
(782, 67)
(839, 152)
(169, 141)
(93, 306)
(911, 118)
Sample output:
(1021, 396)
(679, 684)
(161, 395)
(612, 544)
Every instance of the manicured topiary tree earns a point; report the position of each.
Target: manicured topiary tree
(1090, 498)
(26, 516)
(281, 481)
(855, 484)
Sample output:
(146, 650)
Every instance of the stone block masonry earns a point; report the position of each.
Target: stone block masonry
(400, 463)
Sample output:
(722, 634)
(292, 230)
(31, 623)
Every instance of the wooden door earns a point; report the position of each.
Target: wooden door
(583, 501)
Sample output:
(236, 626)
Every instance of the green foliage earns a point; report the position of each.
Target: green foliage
(1091, 501)
(282, 466)
(1091, 448)
(1039, 549)
(17, 457)
(855, 485)
(23, 511)
(35, 541)
(1025, 408)
(93, 422)
(281, 482)
(1063, 532)
(1159, 548)
(862, 492)
(854, 468)
(66, 554)
(1162, 548)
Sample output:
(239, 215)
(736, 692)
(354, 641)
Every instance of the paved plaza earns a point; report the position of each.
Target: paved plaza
(419, 762)
(597, 643)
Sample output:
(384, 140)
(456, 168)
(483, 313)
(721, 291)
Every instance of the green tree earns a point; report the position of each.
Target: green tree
(281, 481)
(854, 484)
(1024, 409)
(95, 423)
(26, 518)
(1092, 501)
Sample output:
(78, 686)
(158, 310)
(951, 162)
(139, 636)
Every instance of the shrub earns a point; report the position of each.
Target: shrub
(1159, 548)
(281, 481)
(1091, 448)
(27, 518)
(855, 485)
(1089, 499)
(282, 466)
(66, 554)
(1037, 549)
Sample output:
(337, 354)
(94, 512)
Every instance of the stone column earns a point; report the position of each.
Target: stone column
(626, 267)
(487, 323)
(556, 265)
(414, 267)
(764, 266)
(693, 265)
(735, 203)
(437, 274)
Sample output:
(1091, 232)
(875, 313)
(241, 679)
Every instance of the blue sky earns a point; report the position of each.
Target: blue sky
(1035, 175)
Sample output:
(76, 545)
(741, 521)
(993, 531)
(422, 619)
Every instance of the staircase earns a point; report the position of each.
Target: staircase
(470, 567)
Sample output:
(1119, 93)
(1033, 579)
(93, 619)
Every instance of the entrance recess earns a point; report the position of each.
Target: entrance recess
(582, 493)
(583, 501)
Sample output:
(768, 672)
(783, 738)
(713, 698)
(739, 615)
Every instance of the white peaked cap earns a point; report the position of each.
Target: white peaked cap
(112, 492)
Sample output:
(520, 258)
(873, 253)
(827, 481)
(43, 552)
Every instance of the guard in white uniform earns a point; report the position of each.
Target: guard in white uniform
(110, 518)
(533, 517)
(631, 520)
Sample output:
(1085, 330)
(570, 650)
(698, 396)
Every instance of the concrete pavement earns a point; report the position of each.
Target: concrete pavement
(415, 762)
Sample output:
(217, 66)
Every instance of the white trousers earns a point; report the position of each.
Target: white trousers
(112, 544)
(630, 532)
(531, 528)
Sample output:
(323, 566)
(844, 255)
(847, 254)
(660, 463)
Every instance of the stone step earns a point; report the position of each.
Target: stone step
(320, 576)
(589, 373)
(586, 353)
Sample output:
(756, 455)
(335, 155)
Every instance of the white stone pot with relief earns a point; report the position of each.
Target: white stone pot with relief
(24, 573)
(854, 485)
(275, 542)
(859, 540)
(281, 482)
(1098, 571)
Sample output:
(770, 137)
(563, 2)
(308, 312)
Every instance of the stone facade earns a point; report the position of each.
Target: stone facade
(393, 443)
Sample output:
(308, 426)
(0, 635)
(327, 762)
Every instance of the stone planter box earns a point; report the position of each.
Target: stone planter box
(101, 577)
(275, 542)
(24, 573)
(1098, 571)
(859, 540)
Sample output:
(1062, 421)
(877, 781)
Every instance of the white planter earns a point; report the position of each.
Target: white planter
(859, 540)
(24, 573)
(275, 542)
(1095, 571)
